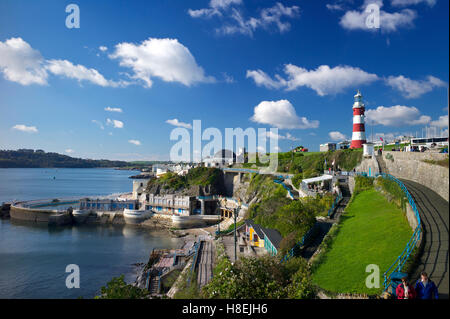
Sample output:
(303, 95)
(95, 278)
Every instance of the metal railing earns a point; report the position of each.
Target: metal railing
(298, 245)
(194, 261)
(398, 264)
(335, 203)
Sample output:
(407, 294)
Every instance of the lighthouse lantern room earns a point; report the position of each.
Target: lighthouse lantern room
(359, 134)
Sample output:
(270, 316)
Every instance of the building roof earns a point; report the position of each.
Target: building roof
(317, 179)
(273, 236)
(256, 227)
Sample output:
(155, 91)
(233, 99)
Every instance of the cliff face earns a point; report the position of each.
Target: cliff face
(206, 183)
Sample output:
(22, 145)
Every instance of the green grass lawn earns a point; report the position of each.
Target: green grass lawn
(373, 231)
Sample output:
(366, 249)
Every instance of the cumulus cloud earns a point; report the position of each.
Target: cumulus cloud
(113, 109)
(389, 22)
(337, 136)
(175, 122)
(103, 48)
(20, 63)
(414, 88)
(398, 115)
(324, 80)
(81, 73)
(24, 128)
(135, 142)
(281, 114)
(69, 151)
(166, 59)
(262, 79)
(114, 123)
(441, 122)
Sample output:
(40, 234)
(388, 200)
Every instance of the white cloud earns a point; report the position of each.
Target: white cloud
(114, 123)
(324, 80)
(166, 59)
(262, 79)
(69, 151)
(175, 122)
(103, 48)
(397, 115)
(334, 7)
(413, 88)
(81, 73)
(389, 22)
(24, 128)
(20, 63)
(235, 22)
(135, 142)
(411, 2)
(113, 109)
(215, 8)
(441, 122)
(288, 136)
(99, 124)
(281, 114)
(337, 136)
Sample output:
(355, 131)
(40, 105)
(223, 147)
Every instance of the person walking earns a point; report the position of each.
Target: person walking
(426, 288)
(405, 290)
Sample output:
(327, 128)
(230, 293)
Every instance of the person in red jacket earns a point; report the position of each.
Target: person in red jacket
(405, 290)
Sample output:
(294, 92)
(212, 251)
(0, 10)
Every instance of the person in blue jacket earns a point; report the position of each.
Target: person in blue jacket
(426, 288)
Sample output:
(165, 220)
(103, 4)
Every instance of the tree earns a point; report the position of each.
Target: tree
(117, 288)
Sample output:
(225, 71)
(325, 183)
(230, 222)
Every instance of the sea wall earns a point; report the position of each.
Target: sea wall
(411, 166)
(51, 217)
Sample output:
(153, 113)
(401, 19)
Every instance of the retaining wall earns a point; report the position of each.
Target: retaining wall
(410, 165)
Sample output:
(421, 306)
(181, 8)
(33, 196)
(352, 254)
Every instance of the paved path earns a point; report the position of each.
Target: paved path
(434, 212)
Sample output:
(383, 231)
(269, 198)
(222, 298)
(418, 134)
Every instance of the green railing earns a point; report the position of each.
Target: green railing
(398, 264)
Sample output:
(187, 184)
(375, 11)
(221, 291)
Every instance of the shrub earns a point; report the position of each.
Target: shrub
(117, 288)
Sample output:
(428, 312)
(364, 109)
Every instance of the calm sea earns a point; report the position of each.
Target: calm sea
(33, 257)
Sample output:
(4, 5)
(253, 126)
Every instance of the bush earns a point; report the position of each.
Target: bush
(260, 278)
(117, 288)
(363, 183)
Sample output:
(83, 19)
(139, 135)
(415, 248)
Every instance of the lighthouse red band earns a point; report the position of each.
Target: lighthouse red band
(359, 133)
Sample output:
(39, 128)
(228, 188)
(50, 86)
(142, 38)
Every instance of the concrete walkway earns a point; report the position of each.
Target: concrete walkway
(434, 212)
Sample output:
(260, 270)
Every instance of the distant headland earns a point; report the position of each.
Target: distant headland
(29, 158)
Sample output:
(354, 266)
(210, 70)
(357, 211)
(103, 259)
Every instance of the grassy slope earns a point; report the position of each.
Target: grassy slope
(373, 231)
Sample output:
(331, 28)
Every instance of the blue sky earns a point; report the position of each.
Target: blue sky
(292, 64)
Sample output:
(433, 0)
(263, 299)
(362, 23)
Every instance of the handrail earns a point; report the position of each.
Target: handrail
(194, 261)
(336, 201)
(398, 264)
(299, 244)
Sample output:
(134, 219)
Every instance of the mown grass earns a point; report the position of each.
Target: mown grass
(372, 231)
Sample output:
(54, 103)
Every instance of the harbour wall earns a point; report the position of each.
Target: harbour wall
(51, 217)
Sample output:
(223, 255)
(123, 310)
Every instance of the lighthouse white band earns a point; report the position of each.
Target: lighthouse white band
(358, 119)
(358, 136)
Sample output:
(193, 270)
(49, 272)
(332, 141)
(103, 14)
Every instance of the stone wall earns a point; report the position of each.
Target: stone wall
(40, 215)
(410, 165)
(368, 163)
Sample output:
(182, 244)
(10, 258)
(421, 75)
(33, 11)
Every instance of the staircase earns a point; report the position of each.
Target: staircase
(325, 225)
(153, 287)
(382, 164)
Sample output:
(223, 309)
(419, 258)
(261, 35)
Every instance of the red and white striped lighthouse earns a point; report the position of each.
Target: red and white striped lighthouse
(359, 132)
